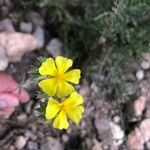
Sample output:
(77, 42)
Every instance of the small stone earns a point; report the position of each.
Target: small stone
(30, 135)
(102, 40)
(116, 119)
(84, 91)
(6, 25)
(28, 107)
(39, 35)
(139, 105)
(54, 47)
(35, 18)
(94, 89)
(104, 131)
(117, 133)
(136, 140)
(52, 144)
(147, 110)
(140, 74)
(3, 59)
(146, 56)
(32, 145)
(20, 142)
(65, 138)
(89, 142)
(129, 88)
(22, 117)
(26, 27)
(145, 65)
(110, 133)
(97, 145)
(12, 147)
(145, 88)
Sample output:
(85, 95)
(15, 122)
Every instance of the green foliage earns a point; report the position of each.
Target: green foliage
(105, 37)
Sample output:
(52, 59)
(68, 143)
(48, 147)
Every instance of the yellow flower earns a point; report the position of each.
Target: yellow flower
(70, 106)
(59, 78)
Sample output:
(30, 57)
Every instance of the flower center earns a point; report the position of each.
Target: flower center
(59, 77)
(63, 107)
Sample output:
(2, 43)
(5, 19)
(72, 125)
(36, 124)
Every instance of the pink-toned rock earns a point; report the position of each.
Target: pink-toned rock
(145, 129)
(16, 44)
(135, 140)
(139, 105)
(10, 95)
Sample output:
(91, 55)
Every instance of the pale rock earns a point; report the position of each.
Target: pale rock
(39, 35)
(17, 44)
(20, 142)
(3, 59)
(52, 144)
(26, 27)
(97, 145)
(129, 88)
(22, 117)
(145, 88)
(135, 140)
(28, 107)
(85, 89)
(54, 47)
(145, 65)
(102, 40)
(12, 147)
(6, 25)
(139, 105)
(110, 133)
(94, 90)
(117, 133)
(89, 142)
(30, 135)
(32, 145)
(116, 119)
(146, 56)
(65, 138)
(140, 74)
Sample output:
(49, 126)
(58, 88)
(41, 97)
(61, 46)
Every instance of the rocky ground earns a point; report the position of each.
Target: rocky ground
(102, 126)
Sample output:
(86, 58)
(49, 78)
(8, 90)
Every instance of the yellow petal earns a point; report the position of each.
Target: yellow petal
(74, 100)
(52, 109)
(49, 86)
(63, 64)
(73, 76)
(75, 114)
(48, 67)
(60, 121)
(64, 89)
